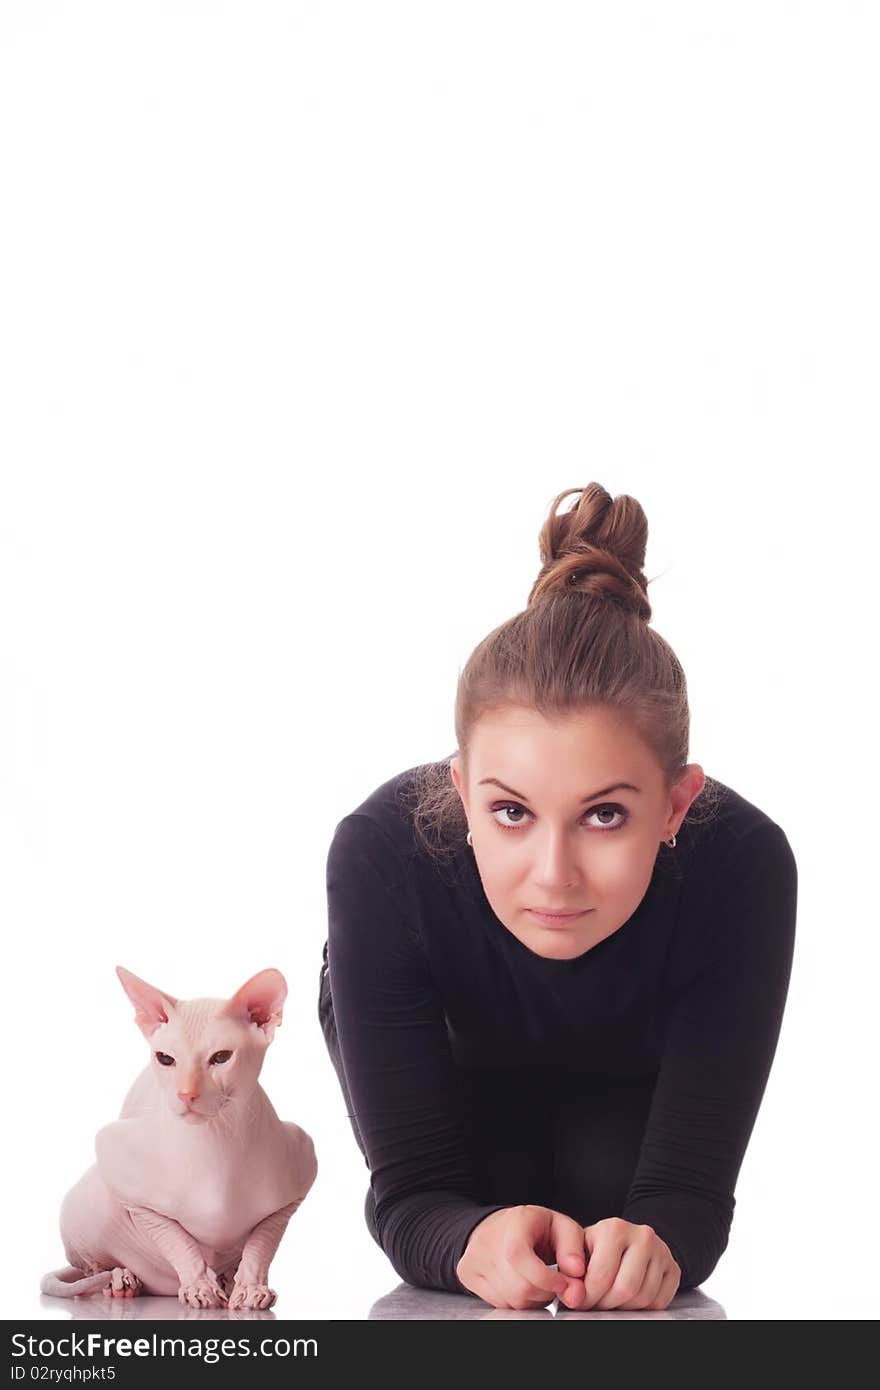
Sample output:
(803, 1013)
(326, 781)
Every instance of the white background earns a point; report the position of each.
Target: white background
(308, 311)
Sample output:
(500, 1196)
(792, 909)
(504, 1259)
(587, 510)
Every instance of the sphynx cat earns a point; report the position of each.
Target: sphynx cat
(196, 1181)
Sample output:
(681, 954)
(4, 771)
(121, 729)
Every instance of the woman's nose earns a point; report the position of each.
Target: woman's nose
(556, 859)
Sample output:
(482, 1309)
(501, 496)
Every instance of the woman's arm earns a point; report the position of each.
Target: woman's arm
(404, 1086)
(720, 1046)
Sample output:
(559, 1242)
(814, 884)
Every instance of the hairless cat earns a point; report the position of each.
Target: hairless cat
(196, 1181)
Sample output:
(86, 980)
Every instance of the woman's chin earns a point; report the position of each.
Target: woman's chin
(559, 946)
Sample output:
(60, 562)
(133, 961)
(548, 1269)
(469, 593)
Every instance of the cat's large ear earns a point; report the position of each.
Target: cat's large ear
(153, 1007)
(260, 1001)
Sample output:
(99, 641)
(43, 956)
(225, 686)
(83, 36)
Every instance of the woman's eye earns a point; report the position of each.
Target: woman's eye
(164, 1059)
(610, 811)
(512, 808)
(220, 1057)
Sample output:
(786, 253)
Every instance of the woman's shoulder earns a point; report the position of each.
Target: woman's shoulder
(377, 843)
(386, 817)
(739, 885)
(720, 820)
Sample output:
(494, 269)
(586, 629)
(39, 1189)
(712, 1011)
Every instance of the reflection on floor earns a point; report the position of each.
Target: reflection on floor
(97, 1308)
(404, 1302)
(407, 1302)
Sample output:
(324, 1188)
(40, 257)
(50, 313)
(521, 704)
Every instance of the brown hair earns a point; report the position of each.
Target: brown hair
(582, 641)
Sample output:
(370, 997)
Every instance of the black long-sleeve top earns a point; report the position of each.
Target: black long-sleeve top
(426, 980)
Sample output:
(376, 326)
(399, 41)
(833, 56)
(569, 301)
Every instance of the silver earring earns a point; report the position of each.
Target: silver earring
(470, 839)
(671, 843)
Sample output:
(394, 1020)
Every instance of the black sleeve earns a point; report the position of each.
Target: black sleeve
(719, 1050)
(402, 1081)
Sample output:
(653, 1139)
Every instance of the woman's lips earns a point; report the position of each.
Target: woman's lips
(557, 919)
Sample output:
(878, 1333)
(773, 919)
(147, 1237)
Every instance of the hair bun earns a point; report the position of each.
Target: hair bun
(596, 547)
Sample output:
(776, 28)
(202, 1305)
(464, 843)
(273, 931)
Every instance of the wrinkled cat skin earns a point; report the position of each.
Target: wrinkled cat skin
(196, 1181)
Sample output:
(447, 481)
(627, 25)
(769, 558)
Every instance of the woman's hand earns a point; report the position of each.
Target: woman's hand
(629, 1266)
(504, 1261)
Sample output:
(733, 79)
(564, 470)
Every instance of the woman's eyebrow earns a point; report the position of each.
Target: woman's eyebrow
(603, 791)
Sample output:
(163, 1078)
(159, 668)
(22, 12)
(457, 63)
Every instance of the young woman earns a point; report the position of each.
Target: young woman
(557, 961)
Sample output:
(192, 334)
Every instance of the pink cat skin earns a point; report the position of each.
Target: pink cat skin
(196, 1181)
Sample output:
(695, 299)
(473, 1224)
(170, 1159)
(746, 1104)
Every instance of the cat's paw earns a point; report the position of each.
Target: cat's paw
(252, 1296)
(123, 1284)
(204, 1292)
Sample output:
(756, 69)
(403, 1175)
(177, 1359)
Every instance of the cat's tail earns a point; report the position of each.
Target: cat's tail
(69, 1282)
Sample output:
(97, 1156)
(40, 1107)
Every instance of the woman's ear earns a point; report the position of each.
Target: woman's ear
(455, 774)
(688, 789)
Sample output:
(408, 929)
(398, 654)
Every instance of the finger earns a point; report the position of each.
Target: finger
(549, 1236)
(574, 1295)
(543, 1282)
(567, 1241)
(667, 1290)
(629, 1278)
(524, 1280)
(650, 1285)
(605, 1244)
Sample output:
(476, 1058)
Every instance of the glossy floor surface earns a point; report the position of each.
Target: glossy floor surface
(401, 1303)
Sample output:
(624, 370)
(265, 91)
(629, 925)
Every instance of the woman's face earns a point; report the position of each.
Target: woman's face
(562, 833)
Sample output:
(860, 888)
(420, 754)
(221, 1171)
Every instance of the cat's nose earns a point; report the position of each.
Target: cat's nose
(189, 1096)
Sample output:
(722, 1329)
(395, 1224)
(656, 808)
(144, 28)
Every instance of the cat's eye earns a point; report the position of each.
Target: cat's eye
(220, 1057)
(164, 1059)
